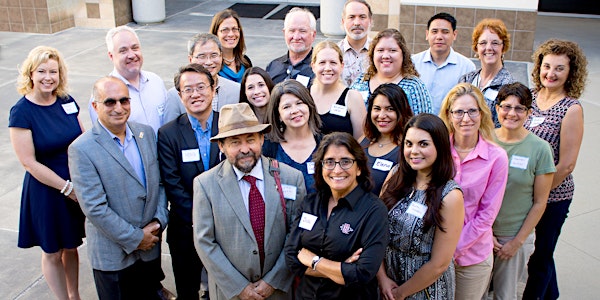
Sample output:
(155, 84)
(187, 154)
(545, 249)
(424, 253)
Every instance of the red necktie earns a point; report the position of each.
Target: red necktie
(256, 207)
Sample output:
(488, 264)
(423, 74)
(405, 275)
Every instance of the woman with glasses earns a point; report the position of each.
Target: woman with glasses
(43, 123)
(531, 168)
(481, 171)
(490, 41)
(387, 113)
(340, 108)
(227, 26)
(295, 136)
(425, 214)
(559, 75)
(339, 236)
(256, 86)
(389, 62)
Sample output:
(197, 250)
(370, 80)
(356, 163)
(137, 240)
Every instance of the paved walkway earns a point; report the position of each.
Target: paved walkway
(164, 48)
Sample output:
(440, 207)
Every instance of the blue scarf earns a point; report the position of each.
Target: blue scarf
(231, 75)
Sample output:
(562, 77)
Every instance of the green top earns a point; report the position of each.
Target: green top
(528, 158)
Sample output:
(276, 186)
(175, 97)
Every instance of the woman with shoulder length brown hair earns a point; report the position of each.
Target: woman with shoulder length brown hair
(227, 27)
(389, 62)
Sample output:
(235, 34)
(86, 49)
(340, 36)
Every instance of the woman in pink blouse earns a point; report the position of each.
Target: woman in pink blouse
(481, 171)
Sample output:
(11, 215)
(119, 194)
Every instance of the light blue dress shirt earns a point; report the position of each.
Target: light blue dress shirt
(131, 151)
(203, 137)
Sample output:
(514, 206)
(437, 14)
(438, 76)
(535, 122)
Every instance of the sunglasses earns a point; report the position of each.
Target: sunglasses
(110, 102)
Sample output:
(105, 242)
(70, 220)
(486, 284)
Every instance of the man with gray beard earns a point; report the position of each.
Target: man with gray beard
(357, 21)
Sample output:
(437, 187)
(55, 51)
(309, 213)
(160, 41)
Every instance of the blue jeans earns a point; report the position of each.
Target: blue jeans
(542, 283)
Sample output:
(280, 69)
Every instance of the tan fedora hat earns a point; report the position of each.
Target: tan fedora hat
(236, 119)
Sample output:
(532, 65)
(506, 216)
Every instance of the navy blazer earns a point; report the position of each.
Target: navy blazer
(178, 176)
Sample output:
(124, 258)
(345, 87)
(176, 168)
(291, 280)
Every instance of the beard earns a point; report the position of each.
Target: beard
(245, 167)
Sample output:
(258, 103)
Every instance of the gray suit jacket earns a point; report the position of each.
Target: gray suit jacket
(112, 197)
(224, 237)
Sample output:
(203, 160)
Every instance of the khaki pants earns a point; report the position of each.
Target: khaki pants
(472, 281)
(508, 273)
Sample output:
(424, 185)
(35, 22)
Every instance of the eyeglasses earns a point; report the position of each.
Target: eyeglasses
(212, 56)
(520, 109)
(110, 102)
(495, 44)
(459, 113)
(228, 30)
(345, 163)
(198, 89)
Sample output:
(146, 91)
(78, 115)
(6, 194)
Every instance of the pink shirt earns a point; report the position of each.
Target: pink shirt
(482, 176)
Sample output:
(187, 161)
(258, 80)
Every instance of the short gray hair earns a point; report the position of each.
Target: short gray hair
(309, 14)
(111, 34)
(202, 38)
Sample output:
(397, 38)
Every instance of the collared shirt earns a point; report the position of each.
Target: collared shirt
(281, 68)
(147, 102)
(227, 92)
(203, 137)
(490, 91)
(482, 175)
(355, 63)
(131, 151)
(441, 79)
(173, 106)
(415, 90)
(358, 221)
(256, 172)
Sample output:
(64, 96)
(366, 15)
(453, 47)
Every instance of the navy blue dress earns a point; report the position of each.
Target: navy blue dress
(48, 219)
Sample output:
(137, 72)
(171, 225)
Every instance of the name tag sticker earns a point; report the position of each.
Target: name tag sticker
(190, 155)
(417, 209)
(289, 191)
(535, 121)
(491, 94)
(310, 167)
(383, 165)
(69, 108)
(519, 162)
(338, 110)
(303, 79)
(160, 109)
(307, 221)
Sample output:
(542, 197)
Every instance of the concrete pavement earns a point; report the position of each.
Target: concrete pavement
(164, 48)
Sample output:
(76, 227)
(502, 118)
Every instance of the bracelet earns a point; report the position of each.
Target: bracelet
(68, 192)
(65, 187)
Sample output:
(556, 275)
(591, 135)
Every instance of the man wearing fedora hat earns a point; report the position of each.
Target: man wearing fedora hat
(241, 211)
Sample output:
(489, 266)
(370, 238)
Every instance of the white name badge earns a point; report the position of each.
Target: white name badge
(310, 167)
(190, 155)
(303, 79)
(307, 221)
(519, 162)
(535, 121)
(491, 94)
(160, 109)
(338, 110)
(289, 191)
(383, 165)
(69, 108)
(417, 209)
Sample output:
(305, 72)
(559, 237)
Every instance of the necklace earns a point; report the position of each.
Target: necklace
(380, 145)
(228, 61)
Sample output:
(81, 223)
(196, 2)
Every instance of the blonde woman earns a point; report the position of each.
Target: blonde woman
(481, 171)
(340, 108)
(42, 125)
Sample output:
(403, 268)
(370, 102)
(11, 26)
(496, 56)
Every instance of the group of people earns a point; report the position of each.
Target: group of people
(347, 170)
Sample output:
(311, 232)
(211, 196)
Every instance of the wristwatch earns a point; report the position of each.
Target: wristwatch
(316, 259)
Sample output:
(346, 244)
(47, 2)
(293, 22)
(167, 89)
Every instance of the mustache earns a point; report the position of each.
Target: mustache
(242, 155)
(357, 27)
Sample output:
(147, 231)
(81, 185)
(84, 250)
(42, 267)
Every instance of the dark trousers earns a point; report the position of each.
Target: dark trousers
(138, 281)
(542, 283)
(187, 267)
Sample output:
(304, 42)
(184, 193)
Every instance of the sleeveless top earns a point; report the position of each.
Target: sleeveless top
(332, 123)
(549, 130)
(378, 174)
